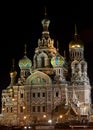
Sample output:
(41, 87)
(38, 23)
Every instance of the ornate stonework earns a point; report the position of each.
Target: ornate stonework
(42, 90)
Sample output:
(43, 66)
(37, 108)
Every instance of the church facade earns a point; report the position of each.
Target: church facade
(43, 92)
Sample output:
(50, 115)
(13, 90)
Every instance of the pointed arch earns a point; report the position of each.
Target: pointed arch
(42, 60)
(83, 66)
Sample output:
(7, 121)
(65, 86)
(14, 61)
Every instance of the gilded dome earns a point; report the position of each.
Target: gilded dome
(58, 60)
(25, 62)
(14, 73)
(10, 89)
(76, 44)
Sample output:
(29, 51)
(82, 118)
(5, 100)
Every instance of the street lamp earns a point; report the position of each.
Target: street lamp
(50, 121)
(27, 128)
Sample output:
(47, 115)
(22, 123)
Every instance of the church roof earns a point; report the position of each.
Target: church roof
(76, 42)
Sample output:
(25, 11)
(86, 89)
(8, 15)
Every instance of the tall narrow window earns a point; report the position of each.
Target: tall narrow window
(43, 108)
(43, 94)
(11, 109)
(57, 94)
(38, 94)
(7, 109)
(42, 60)
(21, 109)
(33, 108)
(38, 109)
(34, 95)
(21, 95)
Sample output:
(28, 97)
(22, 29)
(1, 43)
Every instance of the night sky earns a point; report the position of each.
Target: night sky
(20, 24)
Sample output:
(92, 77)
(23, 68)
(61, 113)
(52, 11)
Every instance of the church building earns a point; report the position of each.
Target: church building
(49, 89)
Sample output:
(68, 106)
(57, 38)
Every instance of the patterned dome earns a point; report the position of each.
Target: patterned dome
(25, 62)
(58, 60)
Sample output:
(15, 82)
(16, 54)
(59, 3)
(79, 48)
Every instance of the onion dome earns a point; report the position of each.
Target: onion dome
(45, 23)
(57, 61)
(13, 73)
(76, 42)
(25, 62)
(10, 89)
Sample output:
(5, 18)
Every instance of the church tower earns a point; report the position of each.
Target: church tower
(80, 84)
(45, 50)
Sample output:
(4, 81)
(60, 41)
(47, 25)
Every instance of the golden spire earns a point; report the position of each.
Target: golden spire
(57, 45)
(25, 52)
(45, 23)
(75, 29)
(13, 64)
(76, 35)
(45, 12)
(13, 72)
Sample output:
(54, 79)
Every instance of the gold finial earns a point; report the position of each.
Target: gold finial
(13, 73)
(25, 49)
(45, 12)
(13, 64)
(76, 35)
(57, 46)
(75, 29)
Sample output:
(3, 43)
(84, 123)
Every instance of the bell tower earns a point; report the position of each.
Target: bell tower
(79, 79)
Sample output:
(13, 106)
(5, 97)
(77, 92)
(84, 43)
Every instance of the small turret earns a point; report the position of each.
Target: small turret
(25, 62)
(76, 47)
(25, 65)
(13, 74)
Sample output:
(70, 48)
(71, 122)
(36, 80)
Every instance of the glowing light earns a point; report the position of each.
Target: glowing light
(25, 127)
(44, 116)
(49, 121)
(13, 99)
(60, 116)
(3, 109)
(24, 117)
(75, 46)
(78, 45)
(23, 107)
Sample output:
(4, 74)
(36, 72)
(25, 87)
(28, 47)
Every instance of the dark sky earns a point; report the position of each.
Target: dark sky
(21, 24)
